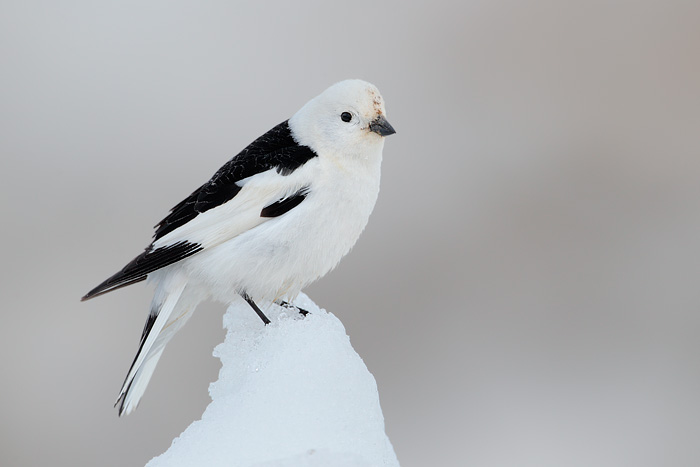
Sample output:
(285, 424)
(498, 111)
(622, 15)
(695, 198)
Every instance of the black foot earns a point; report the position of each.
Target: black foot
(255, 307)
(289, 305)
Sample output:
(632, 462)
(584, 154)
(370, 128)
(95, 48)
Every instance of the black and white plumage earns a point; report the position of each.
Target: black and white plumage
(272, 220)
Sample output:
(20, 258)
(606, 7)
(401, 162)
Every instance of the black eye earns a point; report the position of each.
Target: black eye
(346, 116)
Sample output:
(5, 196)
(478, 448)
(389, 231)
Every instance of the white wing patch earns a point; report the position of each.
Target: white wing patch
(242, 212)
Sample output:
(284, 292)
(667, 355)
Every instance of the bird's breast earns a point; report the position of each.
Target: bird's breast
(284, 254)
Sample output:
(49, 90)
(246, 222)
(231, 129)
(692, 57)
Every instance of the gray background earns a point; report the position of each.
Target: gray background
(526, 292)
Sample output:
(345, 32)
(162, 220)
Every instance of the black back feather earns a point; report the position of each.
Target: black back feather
(275, 149)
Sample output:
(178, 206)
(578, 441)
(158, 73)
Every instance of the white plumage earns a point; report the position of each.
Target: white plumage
(277, 217)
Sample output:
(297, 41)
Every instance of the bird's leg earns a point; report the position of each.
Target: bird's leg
(289, 305)
(255, 307)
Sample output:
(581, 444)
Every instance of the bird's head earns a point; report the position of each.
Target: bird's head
(347, 119)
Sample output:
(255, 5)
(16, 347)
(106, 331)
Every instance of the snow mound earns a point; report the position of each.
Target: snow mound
(291, 394)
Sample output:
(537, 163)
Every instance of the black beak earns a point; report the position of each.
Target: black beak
(381, 127)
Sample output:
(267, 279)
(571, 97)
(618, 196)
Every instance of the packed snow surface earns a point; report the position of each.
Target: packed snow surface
(293, 393)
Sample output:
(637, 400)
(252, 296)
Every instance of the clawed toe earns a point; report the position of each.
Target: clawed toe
(289, 305)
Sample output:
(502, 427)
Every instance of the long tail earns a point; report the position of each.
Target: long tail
(168, 314)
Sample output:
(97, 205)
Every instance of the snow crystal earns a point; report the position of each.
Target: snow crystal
(290, 394)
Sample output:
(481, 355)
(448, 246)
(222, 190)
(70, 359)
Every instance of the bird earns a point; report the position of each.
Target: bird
(272, 220)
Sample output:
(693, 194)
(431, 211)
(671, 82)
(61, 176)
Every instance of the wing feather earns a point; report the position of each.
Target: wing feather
(144, 264)
(230, 203)
(276, 149)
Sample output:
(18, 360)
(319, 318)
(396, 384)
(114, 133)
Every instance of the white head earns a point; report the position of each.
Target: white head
(346, 120)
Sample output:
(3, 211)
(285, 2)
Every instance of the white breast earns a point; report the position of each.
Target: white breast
(277, 258)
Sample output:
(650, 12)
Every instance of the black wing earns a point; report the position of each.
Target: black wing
(285, 205)
(275, 149)
(144, 264)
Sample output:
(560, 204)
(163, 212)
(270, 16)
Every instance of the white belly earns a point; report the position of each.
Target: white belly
(279, 257)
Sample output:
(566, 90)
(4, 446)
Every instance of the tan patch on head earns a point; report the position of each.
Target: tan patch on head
(376, 101)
